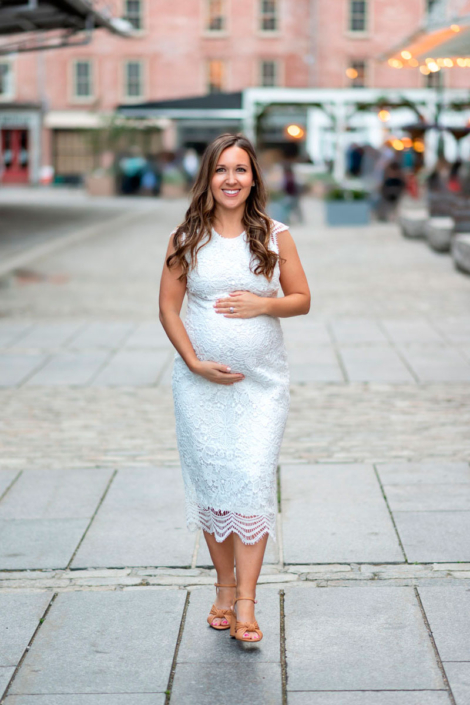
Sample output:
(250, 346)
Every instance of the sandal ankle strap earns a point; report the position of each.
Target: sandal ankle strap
(223, 585)
(245, 598)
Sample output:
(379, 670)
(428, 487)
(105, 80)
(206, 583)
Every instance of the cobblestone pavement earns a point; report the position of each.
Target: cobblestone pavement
(104, 592)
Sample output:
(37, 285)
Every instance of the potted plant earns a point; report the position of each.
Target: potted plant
(347, 206)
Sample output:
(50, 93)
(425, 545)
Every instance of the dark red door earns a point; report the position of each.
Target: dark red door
(14, 162)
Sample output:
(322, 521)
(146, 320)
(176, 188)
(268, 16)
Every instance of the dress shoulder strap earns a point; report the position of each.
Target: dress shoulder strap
(276, 228)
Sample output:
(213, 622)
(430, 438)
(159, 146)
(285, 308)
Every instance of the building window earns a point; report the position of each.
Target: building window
(434, 79)
(6, 79)
(216, 71)
(269, 74)
(269, 21)
(133, 79)
(83, 84)
(357, 15)
(357, 73)
(215, 16)
(133, 13)
(430, 4)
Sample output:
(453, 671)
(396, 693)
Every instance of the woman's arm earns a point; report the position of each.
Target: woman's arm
(296, 299)
(172, 291)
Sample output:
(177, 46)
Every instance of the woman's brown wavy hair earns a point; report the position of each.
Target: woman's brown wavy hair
(196, 229)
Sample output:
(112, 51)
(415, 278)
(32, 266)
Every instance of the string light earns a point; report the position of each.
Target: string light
(384, 115)
(351, 73)
(295, 131)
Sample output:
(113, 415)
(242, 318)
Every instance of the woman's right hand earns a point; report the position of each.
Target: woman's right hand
(216, 372)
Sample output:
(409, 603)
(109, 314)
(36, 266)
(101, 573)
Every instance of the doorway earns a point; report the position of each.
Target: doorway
(14, 162)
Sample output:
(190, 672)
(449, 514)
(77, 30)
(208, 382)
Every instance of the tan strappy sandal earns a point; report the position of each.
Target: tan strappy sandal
(237, 629)
(217, 613)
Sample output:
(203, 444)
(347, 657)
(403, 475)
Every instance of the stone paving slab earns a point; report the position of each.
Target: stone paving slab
(271, 555)
(335, 513)
(6, 478)
(355, 639)
(133, 367)
(70, 368)
(416, 330)
(15, 368)
(6, 673)
(104, 642)
(423, 473)
(39, 543)
(305, 331)
(459, 679)
(247, 682)
(433, 363)
(378, 363)
(314, 364)
(91, 699)
(202, 644)
(19, 617)
(375, 697)
(142, 509)
(11, 331)
(51, 335)
(455, 328)
(102, 334)
(55, 494)
(434, 536)
(148, 334)
(432, 497)
(357, 330)
(448, 613)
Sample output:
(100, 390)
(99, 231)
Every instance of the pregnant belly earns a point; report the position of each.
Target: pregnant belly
(248, 345)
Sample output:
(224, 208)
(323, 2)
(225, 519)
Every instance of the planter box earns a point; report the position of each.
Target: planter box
(101, 185)
(347, 212)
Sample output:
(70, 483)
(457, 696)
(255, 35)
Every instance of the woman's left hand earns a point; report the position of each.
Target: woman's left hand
(244, 305)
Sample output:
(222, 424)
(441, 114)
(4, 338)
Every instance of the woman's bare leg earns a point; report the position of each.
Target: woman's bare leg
(248, 560)
(223, 558)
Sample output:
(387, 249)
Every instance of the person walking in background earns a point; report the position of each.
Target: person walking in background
(230, 376)
(292, 192)
(392, 188)
(454, 183)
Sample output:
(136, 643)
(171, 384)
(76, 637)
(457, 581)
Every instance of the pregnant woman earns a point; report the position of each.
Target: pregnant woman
(230, 376)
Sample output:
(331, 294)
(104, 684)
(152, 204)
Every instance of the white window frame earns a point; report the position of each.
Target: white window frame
(277, 73)
(133, 98)
(73, 95)
(11, 85)
(259, 20)
(143, 16)
(207, 32)
(358, 33)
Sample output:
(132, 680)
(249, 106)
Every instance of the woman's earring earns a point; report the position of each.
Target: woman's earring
(253, 185)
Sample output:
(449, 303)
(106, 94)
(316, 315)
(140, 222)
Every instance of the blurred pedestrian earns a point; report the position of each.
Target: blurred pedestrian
(392, 187)
(190, 166)
(292, 191)
(454, 182)
(132, 167)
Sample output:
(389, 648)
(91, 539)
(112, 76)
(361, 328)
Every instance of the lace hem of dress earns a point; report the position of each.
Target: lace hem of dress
(222, 523)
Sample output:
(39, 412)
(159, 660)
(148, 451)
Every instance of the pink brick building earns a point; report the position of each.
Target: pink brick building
(193, 47)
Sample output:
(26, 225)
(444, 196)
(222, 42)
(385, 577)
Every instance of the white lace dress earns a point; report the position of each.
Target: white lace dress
(229, 437)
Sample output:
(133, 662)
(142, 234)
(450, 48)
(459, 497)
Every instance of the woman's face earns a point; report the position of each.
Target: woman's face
(233, 178)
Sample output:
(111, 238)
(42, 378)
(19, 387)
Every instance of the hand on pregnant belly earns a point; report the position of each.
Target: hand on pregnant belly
(218, 373)
(240, 304)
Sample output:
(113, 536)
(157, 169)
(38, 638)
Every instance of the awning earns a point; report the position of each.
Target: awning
(449, 41)
(214, 105)
(20, 16)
